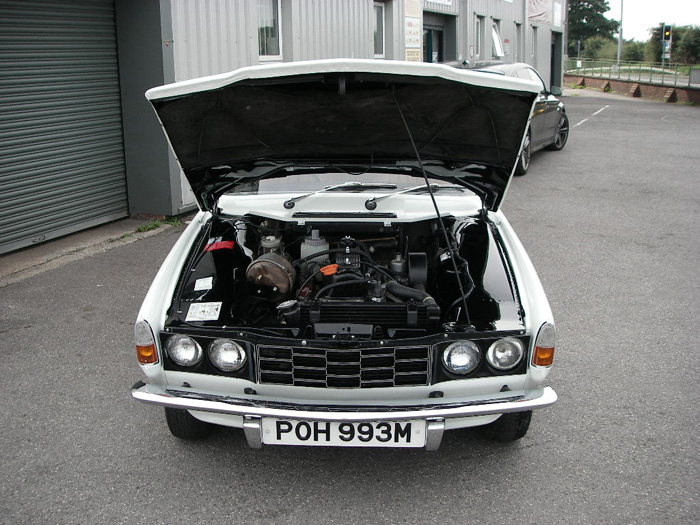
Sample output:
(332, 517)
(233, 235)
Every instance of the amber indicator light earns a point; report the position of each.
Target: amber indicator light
(544, 356)
(146, 354)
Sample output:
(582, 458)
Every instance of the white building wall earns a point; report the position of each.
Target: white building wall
(216, 36)
(213, 36)
(332, 29)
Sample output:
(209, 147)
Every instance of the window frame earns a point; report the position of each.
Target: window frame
(478, 31)
(278, 57)
(497, 50)
(382, 8)
(533, 48)
(518, 42)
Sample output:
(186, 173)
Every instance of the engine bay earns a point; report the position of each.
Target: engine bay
(346, 280)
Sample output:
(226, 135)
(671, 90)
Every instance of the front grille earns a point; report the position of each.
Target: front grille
(344, 368)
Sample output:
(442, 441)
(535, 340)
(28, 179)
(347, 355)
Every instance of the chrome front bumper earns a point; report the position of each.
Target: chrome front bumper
(252, 410)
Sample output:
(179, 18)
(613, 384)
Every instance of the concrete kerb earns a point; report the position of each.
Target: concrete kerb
(34, 260)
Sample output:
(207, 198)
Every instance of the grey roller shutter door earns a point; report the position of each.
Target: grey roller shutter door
(61, 147)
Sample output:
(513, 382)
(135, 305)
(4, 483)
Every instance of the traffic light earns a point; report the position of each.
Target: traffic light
(666, 33)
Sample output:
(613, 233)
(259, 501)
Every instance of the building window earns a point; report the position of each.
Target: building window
(269, 37)
(518, 44)
(534, 46)
(496, 43)
(478, 33)
(379, 30)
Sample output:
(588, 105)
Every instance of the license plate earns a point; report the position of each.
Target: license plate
(343, 434)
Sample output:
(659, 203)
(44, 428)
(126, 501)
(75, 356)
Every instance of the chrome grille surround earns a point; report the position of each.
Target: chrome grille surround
(374, 367)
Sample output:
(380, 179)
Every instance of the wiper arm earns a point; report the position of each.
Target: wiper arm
(354, 186)
(371, 204)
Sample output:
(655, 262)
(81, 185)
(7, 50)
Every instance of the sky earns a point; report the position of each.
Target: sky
(639, 15)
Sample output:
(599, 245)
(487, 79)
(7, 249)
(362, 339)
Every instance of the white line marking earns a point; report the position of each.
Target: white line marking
(594, 114)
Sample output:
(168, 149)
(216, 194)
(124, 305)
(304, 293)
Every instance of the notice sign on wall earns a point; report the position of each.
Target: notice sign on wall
(413, 8)
(413, 34)
(413, 55)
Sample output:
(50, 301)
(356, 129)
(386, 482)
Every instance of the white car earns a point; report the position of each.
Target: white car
(349, 279)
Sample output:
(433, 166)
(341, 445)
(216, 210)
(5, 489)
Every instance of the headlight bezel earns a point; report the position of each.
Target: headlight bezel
(206, 365)
(442, 374)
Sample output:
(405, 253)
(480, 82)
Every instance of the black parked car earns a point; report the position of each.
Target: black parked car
(549, 127)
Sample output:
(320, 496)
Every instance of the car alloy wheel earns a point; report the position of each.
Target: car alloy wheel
(524, 161)
(562, 133)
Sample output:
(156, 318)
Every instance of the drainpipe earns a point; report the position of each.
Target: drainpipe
(527, 56)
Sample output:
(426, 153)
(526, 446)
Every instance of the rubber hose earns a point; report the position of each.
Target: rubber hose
(405, 292)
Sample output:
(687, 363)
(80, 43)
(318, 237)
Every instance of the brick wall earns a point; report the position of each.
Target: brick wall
(637, 89)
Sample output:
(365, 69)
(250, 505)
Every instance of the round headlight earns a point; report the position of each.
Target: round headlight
(505, 353)
(183, 350)
(461, 357)
(226, 355)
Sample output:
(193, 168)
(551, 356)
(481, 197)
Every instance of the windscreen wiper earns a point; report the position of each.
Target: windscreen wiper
(348, 186)
(371, 204)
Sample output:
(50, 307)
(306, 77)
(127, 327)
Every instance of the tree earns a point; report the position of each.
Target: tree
(587, 20)
(686, 49)
(633, 51)
(652, 49)
(598, 47)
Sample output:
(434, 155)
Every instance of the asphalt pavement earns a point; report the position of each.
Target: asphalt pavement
(611, 225)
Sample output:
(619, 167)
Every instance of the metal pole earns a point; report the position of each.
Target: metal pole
(619, 39)
(663, 50)
(670, 45)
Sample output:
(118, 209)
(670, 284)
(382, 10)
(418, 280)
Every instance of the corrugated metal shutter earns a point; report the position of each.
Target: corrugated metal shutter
(61, 147)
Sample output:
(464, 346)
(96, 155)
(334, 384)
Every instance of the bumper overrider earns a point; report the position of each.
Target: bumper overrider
(253, 411)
